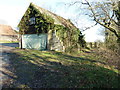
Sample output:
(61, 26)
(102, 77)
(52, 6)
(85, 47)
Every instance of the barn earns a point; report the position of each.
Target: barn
(7, 34)
(41, 29)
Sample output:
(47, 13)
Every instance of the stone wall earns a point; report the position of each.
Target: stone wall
(54, 42)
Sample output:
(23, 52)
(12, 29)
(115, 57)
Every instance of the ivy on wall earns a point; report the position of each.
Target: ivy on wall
(70, 37)
(43, 23)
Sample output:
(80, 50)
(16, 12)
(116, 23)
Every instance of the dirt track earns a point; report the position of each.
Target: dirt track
(5, 73)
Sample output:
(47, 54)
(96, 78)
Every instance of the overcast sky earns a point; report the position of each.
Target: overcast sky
(11, 11)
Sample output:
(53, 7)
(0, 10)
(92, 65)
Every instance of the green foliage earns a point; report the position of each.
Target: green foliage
(112, 42)
(43, 23)
(70, 37)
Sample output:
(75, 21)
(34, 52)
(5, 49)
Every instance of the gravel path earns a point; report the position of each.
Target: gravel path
(5, 72)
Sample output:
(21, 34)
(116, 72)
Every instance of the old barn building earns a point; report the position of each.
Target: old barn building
(7, 33)
(41, 29)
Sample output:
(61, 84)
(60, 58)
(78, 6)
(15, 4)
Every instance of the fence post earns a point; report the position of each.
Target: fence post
(95, 45)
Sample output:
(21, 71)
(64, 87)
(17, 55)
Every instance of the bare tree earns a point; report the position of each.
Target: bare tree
(106, 13)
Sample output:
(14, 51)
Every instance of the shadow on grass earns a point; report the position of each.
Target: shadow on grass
(42, 73)
(73, 58)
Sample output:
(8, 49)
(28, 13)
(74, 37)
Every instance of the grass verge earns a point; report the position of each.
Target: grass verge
(50, 69)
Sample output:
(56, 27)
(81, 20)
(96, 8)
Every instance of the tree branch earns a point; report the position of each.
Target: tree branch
(109, 28)
(109, 16)
(95, 19)
(90, 27)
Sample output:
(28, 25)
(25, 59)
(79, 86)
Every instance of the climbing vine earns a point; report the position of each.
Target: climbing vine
(43, 23)
(70, 37)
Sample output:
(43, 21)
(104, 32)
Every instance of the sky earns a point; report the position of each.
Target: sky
(11, 12)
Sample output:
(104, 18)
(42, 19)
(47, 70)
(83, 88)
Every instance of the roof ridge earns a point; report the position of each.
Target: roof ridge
(58, 19)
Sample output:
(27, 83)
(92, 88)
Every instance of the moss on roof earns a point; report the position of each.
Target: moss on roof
(57, 19)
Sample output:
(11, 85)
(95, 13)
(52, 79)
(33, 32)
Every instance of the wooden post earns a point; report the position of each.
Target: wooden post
(95, 45)
(20, 41)
(79, 49)
(90, 44)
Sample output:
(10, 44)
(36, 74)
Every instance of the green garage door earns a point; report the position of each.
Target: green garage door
(34, 41)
